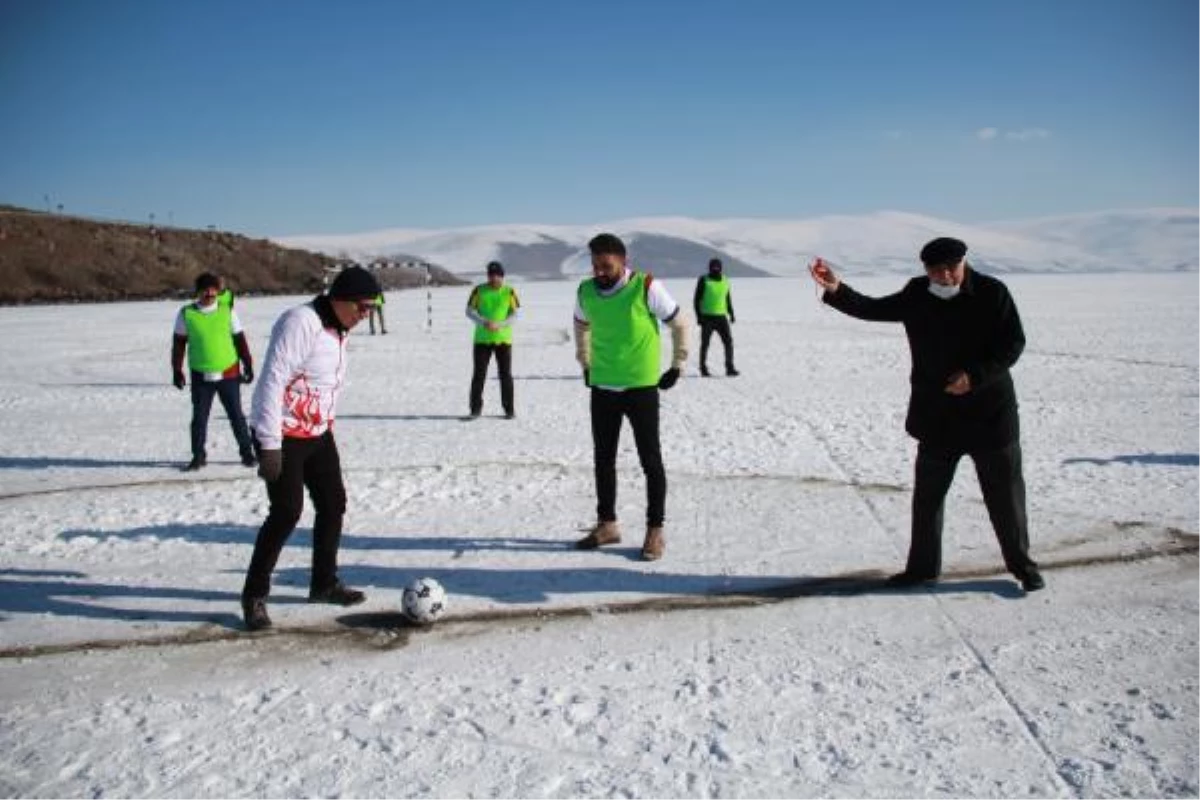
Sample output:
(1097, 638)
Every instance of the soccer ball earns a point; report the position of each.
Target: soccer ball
(424, 601)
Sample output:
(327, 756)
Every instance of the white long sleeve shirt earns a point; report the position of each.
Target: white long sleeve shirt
(300, 380)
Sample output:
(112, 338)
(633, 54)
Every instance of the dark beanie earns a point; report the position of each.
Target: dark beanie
(943, 251)
(495, 268)
(354, 283)
(606, 244)
(714, 262)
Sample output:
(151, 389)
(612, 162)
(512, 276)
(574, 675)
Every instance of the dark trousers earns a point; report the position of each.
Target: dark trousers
(307, 463)
(709, 324)
(377, 311)
(483, 354)
(1003, 486)
(230, 392)
(640, 406)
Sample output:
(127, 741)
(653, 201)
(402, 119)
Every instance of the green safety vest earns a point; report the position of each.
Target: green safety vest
(495, 305)
(625, 339)
(715, 302)
(210, 342)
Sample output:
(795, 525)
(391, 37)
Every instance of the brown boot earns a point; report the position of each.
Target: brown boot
(652, 548)
(603, 533)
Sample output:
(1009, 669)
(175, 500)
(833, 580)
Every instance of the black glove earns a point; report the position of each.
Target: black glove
(587, 377)
(179, 380)
(732, 319)
(247, 373)
(270, 465)
(668, 379)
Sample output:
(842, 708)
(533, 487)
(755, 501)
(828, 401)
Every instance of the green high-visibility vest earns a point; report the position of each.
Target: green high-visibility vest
(715, 302)
(210, 340)
(625, 338)
(494, 305)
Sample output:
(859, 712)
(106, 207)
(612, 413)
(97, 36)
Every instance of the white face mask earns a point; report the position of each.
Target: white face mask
(943, 292)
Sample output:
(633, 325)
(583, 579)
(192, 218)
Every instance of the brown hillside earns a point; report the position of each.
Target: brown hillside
(54, 258)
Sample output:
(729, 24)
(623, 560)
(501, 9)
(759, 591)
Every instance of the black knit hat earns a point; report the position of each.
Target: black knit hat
(606, 244)
(943, 251)
(495, 268)
(354, 283)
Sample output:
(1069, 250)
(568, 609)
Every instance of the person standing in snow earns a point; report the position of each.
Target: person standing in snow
(493, 307)
(292, 415)
(616, 324)
(964, 334)
(377, 311)
(713, 303)
(210, 333)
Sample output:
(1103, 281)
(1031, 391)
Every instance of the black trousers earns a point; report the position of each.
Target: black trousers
(307, 463)
(377, 311)
(483, 354)
(1003, 485)
(640, 406)
(708, 324)
(230, 392)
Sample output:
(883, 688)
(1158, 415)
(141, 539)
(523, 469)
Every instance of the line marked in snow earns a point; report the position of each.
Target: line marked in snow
(389, 629)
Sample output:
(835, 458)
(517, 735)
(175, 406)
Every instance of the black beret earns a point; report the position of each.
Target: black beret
(943, 251)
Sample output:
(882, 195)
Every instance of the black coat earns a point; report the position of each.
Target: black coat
(978, 331)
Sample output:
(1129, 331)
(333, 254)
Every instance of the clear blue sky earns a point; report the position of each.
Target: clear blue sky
(277, 118)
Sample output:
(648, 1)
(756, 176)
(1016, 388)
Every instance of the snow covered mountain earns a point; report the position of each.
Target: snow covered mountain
(882, 242)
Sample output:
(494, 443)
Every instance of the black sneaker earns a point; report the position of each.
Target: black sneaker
(704, 372)
(254, 611)
(195, 464)
(339, 594)
(905, 580)
(248, 460)
(731, 372)
(1032, 580)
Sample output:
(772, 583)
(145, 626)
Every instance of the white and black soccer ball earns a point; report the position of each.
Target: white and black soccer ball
(424, 601)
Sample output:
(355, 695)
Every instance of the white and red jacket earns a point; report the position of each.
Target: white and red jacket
(301, 377)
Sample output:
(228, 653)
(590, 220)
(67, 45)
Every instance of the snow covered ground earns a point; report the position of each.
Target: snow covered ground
(756, 659)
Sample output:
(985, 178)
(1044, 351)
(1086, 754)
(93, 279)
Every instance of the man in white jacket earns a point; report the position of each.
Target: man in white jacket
(292, 416)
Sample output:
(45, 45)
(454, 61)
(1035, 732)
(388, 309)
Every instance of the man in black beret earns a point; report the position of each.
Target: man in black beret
(964, 334)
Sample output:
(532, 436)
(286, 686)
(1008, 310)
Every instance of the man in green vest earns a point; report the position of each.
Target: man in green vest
(377, 311)
(493, 308)
(211, 335)
(714, 310)
(617, 315)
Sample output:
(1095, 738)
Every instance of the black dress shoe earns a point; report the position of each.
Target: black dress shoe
(254, 611)
(904, 580)
(339, 594)
(731, 372)
(1032, 580)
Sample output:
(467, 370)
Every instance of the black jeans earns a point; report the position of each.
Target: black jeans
(608, 410)
(708, 324)
(377, 311)
(230, 392)
(483, 354)
(1003, 485)
(307, 463)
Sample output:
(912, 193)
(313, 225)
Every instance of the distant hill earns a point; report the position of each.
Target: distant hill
(55, 258)
(883, 242)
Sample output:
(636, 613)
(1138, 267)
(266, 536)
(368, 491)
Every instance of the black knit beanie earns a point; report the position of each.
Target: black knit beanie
(354, 283)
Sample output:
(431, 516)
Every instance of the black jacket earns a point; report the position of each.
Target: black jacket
(978, 331)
